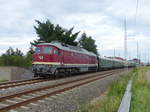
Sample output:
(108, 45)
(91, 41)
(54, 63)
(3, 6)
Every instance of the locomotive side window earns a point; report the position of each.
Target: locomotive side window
(56, 51)
(38, 50)
(47, 50)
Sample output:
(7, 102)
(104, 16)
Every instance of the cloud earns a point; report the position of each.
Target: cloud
(101, 19)
(22, 42)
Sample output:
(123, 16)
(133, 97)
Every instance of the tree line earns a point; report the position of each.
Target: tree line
(15, 57)
(47, 32)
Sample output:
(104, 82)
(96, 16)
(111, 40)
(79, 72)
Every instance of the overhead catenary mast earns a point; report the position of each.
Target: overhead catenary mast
(137, 50)
(114, 53)
(125, 40)
(136, 12)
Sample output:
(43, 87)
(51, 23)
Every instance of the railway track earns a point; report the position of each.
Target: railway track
(20, 83)
(23, 98)
(12, 84)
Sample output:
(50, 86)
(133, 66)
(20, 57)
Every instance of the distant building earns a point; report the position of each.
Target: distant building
(136, 60)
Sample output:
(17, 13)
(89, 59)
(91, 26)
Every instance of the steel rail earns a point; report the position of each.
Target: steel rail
(50, 86)
(30, 81)
(22, 83)
(17, 81)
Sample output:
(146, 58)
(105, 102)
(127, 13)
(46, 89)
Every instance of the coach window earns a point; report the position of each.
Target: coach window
(56, 52)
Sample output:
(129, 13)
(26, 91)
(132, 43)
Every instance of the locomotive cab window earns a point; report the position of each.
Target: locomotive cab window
(47, 50)
(56, 52)
(38, 50)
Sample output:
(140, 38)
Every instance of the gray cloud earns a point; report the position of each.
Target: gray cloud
(102, 19)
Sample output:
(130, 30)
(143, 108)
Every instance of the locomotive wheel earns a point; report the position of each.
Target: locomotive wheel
(56, 73)
(36, 75)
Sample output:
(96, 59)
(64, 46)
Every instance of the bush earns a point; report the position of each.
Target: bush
(16, 58)
(12, 60)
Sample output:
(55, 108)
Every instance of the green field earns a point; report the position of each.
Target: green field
(140, 101)
(3, 81)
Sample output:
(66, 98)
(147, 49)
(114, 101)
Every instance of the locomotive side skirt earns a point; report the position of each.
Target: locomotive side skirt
(50, 68)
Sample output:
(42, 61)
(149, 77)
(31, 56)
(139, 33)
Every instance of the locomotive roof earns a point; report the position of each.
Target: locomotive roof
(69, 48)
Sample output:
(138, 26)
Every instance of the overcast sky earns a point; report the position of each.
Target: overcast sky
(101, 19)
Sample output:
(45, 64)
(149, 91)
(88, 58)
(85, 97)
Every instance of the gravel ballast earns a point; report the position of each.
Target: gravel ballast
(71, 101)
(18, 89)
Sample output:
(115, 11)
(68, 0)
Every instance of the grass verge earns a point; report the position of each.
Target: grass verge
(140, 101)
(110, 101)
(3, 81)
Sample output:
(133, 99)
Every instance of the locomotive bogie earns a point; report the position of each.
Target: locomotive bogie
(44, 68)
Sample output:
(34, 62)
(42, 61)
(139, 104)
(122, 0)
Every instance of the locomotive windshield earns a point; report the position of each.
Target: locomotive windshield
(44, 50)
(38, 50)
(47, 50)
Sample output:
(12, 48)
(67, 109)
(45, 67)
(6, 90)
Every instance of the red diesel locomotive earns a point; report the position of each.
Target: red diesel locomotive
(52, 59)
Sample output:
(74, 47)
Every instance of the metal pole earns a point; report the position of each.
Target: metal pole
(125, 40)
(114, 53)
(137, 50)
